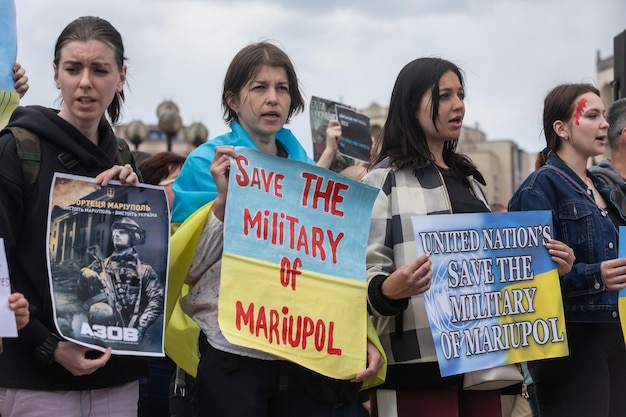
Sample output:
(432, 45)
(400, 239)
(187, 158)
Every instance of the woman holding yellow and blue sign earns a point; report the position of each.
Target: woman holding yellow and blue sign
(419, 172)
(260, 95)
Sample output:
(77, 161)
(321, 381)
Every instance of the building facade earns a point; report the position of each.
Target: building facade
(604, 83)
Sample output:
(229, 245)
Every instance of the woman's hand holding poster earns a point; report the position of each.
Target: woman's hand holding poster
(495, 296)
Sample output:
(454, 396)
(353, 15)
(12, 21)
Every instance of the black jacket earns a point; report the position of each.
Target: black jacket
(23, 225)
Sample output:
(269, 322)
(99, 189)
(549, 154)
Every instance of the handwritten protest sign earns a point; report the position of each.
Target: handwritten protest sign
(107, 262)
(9, 98)
(8, 327)
(495, 296)
(293, 264)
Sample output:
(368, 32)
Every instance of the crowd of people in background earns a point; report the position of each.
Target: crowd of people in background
(417, 170)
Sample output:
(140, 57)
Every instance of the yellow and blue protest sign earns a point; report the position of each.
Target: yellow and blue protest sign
(495, 296)
(9, 99)
(293, 279)
(621, 301)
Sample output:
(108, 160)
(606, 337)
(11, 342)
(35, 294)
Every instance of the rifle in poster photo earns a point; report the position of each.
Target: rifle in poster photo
(107, 261)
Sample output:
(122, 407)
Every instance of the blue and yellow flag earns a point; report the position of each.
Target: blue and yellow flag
(181, 332)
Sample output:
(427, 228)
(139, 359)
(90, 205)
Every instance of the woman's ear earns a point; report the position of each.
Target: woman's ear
(56, 76)
(233, 101)
(120, 84)
(560, 129)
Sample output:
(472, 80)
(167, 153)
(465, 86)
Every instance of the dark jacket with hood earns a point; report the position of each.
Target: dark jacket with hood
(23, 225)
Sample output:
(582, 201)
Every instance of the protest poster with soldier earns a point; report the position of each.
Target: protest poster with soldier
(114, 300)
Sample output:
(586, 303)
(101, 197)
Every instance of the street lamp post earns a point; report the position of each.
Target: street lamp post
(170, 122)
(196, 134)
(136, 132)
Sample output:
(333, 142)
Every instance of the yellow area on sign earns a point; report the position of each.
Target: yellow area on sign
(539, 334)
(313, 319)
(9, 100)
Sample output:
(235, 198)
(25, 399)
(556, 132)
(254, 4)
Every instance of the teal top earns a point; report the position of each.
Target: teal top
(194, 186)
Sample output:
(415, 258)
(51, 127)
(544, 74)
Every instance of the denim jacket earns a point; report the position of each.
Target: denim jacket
(583, 226)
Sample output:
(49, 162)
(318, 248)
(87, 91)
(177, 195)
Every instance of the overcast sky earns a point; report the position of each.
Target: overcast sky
(512, 51)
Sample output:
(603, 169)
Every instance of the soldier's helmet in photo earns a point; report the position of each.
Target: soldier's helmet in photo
(137, 234)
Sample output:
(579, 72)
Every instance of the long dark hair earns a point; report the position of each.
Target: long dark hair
(403, 139)
(87, 28)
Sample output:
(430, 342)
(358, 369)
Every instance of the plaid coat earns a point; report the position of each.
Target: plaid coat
(403, 324)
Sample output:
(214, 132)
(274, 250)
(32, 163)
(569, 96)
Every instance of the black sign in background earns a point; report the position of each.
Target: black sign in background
(322, 112)
(356, 134)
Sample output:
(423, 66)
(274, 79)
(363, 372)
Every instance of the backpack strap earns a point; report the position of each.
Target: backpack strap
(29, 152)
(124, 155)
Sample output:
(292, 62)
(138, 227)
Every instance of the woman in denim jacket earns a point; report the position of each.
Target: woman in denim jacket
(587, 213)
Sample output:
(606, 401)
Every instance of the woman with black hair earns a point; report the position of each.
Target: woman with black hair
(419, 172)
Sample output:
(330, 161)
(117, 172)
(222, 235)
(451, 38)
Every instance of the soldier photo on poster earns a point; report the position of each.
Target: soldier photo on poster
(107, 260)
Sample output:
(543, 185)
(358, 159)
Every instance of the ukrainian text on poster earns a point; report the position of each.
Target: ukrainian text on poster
(356, 134)
(107, 262)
